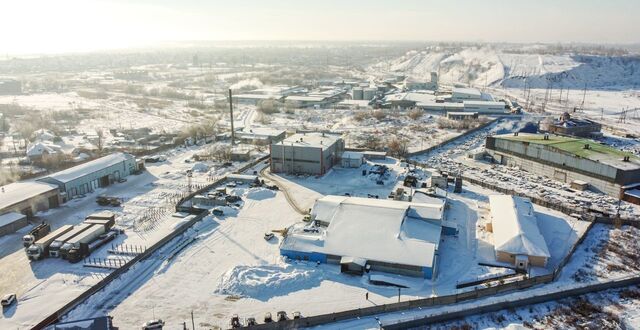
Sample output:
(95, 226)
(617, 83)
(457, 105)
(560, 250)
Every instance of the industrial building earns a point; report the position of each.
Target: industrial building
(28, 198)
(261, 136)
(566, 159)
(486, 107)
(516, 236)
(465, 94)
(310, 153)
(411, 83)
(362, 234)
(454, 115)
(12, 222)
(351, 159)
(255, 99)
(87, 177)
(566, 125)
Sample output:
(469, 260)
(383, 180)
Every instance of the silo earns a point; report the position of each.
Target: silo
(357, 93)
(368, 93)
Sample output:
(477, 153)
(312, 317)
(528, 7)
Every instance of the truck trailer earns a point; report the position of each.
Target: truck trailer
(40, 249)
(54, 248)
(35, 234)
(85, 237)
(85, 249)
(105, 218)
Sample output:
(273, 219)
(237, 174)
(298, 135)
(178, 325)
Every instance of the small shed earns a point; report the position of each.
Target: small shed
(353, 265)
(352, 159)
(11, 222)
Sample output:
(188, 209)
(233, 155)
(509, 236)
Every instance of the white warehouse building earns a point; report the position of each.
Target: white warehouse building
(87, 177)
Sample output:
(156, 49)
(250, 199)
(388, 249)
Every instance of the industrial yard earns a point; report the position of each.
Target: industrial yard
(320, 184)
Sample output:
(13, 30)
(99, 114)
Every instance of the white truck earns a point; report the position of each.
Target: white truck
(85, 238)
(35, 234)
(54, 248)
(40, 249)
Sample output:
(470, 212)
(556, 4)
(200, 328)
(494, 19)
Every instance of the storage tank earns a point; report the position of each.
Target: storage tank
(368, 93)
(357, 93)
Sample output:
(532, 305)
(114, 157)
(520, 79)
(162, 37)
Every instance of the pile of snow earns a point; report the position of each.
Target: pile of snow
(260, 193)
(200, 167)
(264, 282)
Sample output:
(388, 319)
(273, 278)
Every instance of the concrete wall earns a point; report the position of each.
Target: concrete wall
(556, 173)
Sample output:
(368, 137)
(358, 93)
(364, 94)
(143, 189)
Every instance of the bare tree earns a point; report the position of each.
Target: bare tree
(100, 142)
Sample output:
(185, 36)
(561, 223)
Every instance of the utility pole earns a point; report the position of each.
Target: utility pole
(233, 133)
(193, 324)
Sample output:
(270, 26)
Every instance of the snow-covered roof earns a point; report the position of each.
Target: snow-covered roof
(17, 192)
(302, 98)
(515, 226)
(381, 230)
(313, 140)
(467, 91)
(90, 167)
(483, 104)
(11, 217)
(40, 148)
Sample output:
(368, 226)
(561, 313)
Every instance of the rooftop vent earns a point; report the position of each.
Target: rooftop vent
(586, 146)
(546, 136)
(625, 159)
(515, 133)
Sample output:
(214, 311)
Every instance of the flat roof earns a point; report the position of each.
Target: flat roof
(11, 217)
(313, 140)
(575, 146)
(381, 230)
(256, 96)
(17, 192)
(515, 226)
(95, 165)
(467, 91)
(303, 98)
(484, 103)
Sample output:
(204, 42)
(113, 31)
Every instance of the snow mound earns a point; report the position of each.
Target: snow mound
(264, 282)
(200, 167)
(260, 193)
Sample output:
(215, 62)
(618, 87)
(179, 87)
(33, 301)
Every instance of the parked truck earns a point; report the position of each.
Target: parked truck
(54, 248)
(83, 238)
(40, 249)
(85, 249)
(35, 234)
(105, 218)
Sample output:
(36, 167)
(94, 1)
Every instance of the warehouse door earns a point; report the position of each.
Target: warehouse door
(104, 181)
(53, 202)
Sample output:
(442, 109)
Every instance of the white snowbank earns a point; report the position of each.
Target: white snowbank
(200, 167)
(264, 282)
(260, 193)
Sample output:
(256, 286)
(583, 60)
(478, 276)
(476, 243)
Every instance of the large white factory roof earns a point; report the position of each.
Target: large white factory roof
(17, 192)
(515, 226)
(312, 140)
(95, 165)
(388, 231)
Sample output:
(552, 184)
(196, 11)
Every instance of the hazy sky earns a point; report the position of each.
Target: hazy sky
(78, 25)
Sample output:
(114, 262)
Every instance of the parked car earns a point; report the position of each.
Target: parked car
(281, 316)
(8, 300)
(267, 317)
(217, 211)
(268, 236)
(153, 324)
(296, 315)
(251, 321)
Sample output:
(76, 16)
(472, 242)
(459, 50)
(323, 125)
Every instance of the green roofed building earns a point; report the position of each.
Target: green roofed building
(568, 159)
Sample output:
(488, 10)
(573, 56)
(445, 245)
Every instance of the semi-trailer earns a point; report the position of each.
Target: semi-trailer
(54, 248)
(85, 237)
(85, 249)
(40, 249)
(35, 234)
(104, 218)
